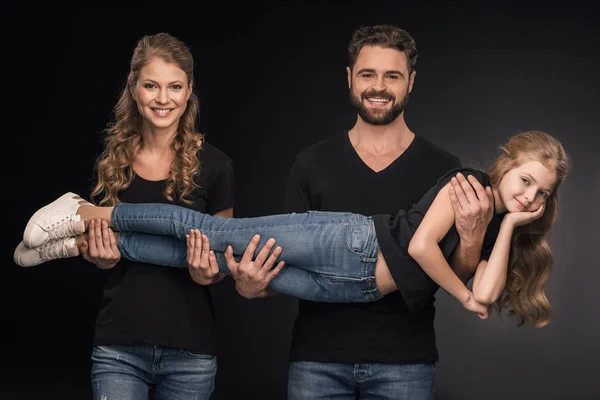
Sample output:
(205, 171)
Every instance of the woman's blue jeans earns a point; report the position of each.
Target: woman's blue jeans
(329, 256)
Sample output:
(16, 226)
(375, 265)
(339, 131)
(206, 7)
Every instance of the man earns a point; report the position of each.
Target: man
(383, 349)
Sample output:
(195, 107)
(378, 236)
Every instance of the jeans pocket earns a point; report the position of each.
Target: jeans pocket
(356, 237)
(198, 354)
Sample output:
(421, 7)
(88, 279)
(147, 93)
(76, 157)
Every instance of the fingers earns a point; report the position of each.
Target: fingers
(273, 273)
(204, 254)
(249, 252)
(214, 264)
(459, 191)
(453, 199)
(483, 194)
(93, 248)
(540, 210)
(467, 188)
(264, 253)
(105, 235)
(489, 194)
(113, 244)
(232, 264)
(194, 249)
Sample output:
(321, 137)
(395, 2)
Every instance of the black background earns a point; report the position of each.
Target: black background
(272, 81)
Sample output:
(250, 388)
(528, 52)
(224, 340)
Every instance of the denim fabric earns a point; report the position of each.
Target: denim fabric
(330, 256)
(128, 372)
(320, 381)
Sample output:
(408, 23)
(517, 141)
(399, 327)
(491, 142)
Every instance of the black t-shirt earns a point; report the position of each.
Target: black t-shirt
(394, 234)
(144, 303)
(331, 176)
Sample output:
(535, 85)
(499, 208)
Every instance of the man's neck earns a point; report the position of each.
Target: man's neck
(381, 138)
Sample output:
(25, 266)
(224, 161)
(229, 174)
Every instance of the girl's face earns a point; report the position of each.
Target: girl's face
(161, 94)
(526, 187)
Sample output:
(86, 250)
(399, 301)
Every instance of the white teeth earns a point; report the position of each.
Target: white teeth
(161, 111)
(377, 100)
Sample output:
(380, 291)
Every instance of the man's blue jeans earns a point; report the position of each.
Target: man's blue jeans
(128, 372)
(329, 256)
(321, 381)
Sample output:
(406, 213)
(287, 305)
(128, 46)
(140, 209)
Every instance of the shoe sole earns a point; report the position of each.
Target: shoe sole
(31, 224)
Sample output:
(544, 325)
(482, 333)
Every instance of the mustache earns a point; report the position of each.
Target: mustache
(382, 93)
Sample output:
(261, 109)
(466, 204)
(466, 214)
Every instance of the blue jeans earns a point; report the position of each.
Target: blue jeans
(320, 381)
(330, 256)
(128, 372)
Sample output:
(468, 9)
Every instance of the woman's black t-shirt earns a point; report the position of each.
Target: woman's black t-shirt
(150, 304)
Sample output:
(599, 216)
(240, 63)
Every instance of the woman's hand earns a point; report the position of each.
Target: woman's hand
(524, 217)
(202, 262)
(100, 247)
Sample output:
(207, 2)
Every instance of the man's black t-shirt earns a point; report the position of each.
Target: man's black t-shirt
(145, 303)
(331, 176)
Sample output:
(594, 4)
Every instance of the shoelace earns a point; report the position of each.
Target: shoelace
(54, 250)
(69, 225)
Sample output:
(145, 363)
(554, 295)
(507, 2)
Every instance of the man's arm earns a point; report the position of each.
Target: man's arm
(473, 209)
(253, 276)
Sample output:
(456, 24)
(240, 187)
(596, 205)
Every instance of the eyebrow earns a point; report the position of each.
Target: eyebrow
(371, 70)
(170, 83)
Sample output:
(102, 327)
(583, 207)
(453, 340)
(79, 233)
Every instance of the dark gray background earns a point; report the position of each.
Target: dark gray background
(272, 81)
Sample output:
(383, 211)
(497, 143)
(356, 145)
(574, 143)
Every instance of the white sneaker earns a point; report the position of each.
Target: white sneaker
(54, 249)
(56, 220)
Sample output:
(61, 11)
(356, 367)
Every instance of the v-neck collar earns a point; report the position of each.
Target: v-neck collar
(358, 161)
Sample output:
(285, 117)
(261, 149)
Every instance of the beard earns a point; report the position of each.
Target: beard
(375, 116)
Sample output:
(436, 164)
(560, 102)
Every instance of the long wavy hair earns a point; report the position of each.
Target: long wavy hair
(123, 135)
(530, 258)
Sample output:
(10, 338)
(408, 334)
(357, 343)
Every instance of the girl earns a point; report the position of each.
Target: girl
(336, 257)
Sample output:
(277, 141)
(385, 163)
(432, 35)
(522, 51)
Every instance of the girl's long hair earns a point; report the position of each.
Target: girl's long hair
(124, 138)
(530, 258)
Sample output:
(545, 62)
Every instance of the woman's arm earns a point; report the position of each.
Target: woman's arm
(425, 250)
(202, 263)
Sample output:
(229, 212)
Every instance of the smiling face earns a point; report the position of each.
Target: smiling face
(525, 187)
(161, 94)
(379, 84)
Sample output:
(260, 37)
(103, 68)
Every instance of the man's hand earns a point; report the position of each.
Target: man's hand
(473, 208)
(202, 263)
(100, 248)
(253, 277)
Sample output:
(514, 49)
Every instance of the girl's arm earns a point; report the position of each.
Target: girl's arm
(490, 276)
(425, 250)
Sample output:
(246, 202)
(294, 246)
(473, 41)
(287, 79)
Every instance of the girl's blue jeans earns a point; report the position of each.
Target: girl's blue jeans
(329, 256)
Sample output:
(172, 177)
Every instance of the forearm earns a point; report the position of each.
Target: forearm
(465, 259)
(488, 287)
(432, 261)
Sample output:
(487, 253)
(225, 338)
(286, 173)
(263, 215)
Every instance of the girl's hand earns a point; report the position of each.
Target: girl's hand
(482, 310)
(524, 217)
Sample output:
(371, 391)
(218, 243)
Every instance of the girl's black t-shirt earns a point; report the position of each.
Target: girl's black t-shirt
(150, 304)
(395, 232)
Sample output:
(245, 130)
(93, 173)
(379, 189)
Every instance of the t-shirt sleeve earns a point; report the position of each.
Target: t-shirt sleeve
(297, 194)
(221, 196)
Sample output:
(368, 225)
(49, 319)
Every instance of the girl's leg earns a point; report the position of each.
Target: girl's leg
(323, 242)
(293, 281)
